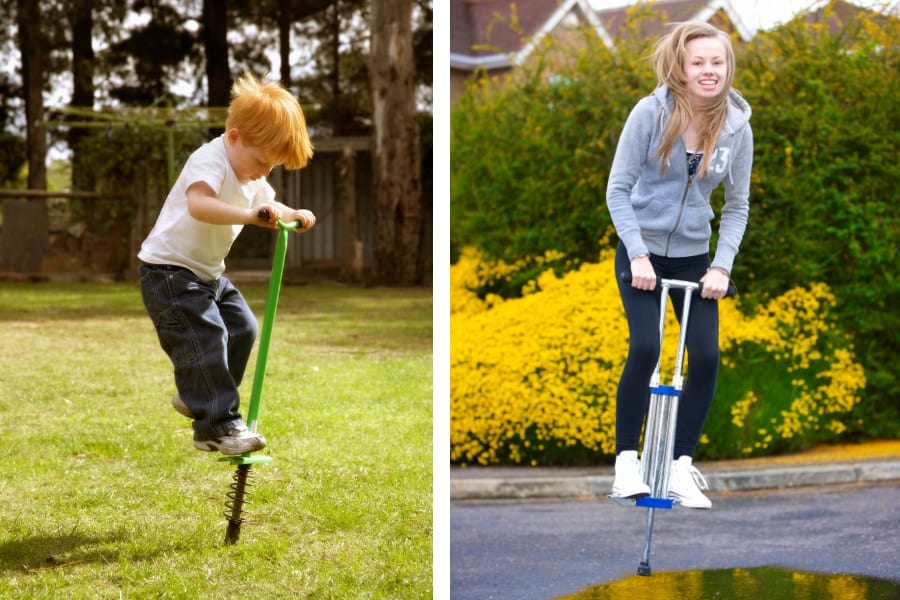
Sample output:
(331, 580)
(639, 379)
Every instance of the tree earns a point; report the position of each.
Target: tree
(333, 85)
(12, 145)
(215, 39)
(81, 21)
(148, 61)
(25, 222)
(395, 145)
(284, 41)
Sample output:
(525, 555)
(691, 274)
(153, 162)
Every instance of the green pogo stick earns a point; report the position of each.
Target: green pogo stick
(236, 496)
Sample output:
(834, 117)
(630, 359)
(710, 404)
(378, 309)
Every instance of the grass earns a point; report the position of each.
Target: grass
(104, 496)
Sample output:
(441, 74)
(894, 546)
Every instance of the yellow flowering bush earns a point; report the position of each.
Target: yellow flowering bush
(533, 379)
(789, 377)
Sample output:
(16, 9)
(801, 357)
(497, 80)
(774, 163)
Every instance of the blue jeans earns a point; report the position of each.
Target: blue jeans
(207, 330)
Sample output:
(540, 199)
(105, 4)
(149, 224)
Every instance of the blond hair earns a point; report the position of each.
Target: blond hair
(270, 118)
(668, 61)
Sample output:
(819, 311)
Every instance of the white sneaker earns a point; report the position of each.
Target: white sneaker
(685, 483)
(628, 483)
(238, 440)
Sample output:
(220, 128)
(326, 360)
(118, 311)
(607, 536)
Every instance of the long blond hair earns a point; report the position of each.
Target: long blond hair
(668, 60)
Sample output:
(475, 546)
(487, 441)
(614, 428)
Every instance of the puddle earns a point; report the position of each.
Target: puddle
(770, 583)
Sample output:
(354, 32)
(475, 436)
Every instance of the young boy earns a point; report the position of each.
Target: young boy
(203, 323)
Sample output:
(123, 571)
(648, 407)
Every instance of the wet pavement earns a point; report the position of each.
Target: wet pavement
(768, 583)
(522, 534)
(543, 549)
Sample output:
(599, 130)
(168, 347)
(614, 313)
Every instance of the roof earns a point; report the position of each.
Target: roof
(720, 13)
(838, 14)
(494, 34)
(500, 33)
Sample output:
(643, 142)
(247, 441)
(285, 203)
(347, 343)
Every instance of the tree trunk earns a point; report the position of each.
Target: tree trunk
(81, 21)
(395, 147)
(215, 40)
(335, 25)
(25, 222)
(351, 245)
(285, 20)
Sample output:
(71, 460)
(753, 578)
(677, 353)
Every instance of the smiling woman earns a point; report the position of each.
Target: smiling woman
(661, 212)
(705, 69)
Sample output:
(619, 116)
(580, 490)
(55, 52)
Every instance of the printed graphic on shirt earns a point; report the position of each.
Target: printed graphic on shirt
(719, 162)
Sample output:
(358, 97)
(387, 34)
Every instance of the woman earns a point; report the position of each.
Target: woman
(678, 144)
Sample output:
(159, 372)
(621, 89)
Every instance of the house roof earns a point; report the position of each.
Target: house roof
(674, 11)
(494, 34)
(841, 13)
(500, 33)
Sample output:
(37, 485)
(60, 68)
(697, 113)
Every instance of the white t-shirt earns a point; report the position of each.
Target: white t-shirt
(180, 239)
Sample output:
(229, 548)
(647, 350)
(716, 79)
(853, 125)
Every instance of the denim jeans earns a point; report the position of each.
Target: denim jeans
(208, 331)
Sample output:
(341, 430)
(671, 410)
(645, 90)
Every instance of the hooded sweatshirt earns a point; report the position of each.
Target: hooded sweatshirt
(668, 213)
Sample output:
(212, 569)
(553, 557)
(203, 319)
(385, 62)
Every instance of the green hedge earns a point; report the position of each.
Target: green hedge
(530, 157)
(824, 197)
(530, 153)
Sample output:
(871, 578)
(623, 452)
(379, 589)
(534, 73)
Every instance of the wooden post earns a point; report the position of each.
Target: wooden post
(351, 246)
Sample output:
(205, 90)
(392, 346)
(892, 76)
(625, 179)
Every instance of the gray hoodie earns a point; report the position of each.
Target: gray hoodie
(669, 214)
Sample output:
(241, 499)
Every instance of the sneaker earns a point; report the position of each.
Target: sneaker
(238, 440)
(628, 483)
(686, 483)
(179, 405)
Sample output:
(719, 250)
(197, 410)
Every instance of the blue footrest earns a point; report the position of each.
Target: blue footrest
(650, 502)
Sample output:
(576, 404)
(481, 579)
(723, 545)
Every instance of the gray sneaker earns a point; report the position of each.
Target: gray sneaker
(238, 440)
(179, 405)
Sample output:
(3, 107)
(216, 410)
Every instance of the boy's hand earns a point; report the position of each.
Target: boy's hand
(306, 217)
(268, 215)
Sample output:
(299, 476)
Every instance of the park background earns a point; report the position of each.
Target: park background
(100, 103)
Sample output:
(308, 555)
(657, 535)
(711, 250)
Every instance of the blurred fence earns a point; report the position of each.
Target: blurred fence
(102, 231)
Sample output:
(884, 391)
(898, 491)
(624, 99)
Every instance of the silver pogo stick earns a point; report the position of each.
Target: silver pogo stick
(662, 416)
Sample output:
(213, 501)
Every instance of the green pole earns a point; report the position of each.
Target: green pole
(268, 320)
(236, 497)
(265, 337)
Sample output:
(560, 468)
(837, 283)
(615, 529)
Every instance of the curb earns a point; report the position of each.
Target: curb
(517, 484)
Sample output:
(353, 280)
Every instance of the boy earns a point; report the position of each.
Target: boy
(203, 323)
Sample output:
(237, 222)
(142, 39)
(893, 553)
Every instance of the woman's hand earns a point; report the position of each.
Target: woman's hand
(715, 284)
(643, 277)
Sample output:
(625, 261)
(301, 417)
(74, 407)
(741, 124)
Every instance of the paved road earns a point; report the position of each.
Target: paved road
(543, 549)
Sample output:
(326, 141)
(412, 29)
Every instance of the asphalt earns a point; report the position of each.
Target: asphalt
(872, 461)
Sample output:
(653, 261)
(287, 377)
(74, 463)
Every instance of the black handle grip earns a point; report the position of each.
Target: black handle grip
(732, 290)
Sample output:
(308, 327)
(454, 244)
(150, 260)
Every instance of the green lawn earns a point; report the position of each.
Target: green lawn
(104, 496)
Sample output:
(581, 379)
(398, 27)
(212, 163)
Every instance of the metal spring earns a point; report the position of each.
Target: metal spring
(237, 495)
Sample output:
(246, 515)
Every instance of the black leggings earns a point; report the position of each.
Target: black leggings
(642, 312)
